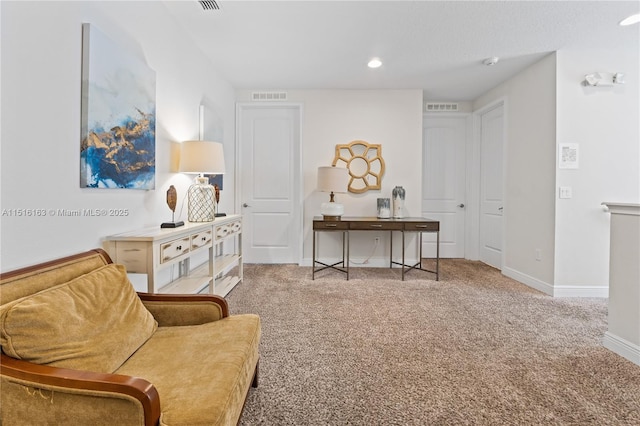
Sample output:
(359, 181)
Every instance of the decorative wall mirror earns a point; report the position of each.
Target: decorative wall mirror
(365, 164)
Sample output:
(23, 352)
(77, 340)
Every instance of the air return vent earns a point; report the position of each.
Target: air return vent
(209, 5)
(440, 107)
(269, 96)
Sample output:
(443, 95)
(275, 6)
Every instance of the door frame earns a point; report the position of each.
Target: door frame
(298, 207)
(473, 252)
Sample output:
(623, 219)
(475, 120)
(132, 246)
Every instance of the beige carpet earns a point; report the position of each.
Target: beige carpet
(475, 348)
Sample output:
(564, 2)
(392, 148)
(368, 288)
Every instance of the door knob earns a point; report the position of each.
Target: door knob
(246, 205)
(461, 206)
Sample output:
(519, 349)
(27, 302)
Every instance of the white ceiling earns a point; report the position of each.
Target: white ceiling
(437, 46)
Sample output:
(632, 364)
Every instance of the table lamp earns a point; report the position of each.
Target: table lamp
(201, 157)
(332, 179)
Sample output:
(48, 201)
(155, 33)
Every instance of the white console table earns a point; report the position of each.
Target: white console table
(150, 250)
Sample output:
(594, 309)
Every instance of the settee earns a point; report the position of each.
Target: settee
(81, 347)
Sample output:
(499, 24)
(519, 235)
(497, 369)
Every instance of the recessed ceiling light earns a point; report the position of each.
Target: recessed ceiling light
(633, 19)
(374, 63)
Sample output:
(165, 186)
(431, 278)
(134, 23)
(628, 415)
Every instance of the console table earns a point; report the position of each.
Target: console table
(150, 250)
(402, 225)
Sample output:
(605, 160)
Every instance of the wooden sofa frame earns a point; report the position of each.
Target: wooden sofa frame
(134, 387)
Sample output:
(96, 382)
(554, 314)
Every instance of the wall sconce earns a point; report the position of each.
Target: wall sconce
(332, 179)
(603, 79)
(201, 157)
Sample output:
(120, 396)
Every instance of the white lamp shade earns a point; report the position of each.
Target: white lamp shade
(202, 157)
(333, 179)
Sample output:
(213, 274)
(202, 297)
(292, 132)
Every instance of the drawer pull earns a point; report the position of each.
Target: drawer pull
(422, 226)
(204, 239)
(330, 225)
(131, 250)
(376, 226)
(179, 248)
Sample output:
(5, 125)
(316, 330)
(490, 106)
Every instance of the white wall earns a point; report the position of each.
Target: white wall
(547, 106)
(41, 84)
(529, 171)
(605, 122)
(392, 118)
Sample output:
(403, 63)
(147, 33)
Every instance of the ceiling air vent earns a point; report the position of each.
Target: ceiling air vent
(269, 96)
(209, 5)
(441, 106)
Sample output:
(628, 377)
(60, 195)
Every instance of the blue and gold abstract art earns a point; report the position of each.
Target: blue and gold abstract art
(118, 116)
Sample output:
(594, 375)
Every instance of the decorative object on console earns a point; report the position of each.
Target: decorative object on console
(332, 179)
(364, 162)
(384, 208)
(172, 200)
(118, 110)
(201, 157)
(216, 182)
(398, 201)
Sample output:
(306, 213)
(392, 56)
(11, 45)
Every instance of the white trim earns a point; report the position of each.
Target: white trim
(528, 280)
(622, 347)
(623, 208)
(581, 291)
(556, 291)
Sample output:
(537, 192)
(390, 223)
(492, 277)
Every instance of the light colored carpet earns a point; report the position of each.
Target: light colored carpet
(475, 348)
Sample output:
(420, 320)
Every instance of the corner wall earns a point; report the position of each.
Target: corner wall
(605, 123)
(41, 85)
(529, 171)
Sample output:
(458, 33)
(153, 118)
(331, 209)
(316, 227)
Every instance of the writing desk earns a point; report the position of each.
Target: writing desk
(402, 225)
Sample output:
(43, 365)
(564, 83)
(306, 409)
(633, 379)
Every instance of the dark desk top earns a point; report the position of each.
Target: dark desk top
(375, 219)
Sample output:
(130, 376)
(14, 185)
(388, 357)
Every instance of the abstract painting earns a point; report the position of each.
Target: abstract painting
(118, 116)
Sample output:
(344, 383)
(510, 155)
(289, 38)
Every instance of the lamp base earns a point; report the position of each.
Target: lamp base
(332, 209)
(172, 224)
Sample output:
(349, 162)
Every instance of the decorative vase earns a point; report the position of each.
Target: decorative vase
(384, 208)
(398, 201)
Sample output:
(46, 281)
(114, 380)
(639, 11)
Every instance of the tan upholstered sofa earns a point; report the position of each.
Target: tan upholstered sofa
(81, 347)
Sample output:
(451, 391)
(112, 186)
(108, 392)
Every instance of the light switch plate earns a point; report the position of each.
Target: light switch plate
(566, 192)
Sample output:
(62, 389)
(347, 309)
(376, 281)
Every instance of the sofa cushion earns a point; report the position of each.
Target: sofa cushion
(93, 322)
(202, 372)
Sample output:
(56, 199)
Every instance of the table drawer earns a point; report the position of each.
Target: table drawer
(378, 225)
(133, 255)
(174, 249)
(201, 239)
(422, 227)
(330, 226)
(223, 231)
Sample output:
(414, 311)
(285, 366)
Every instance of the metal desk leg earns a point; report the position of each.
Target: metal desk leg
(438, 255)
(343, 240)
(403, 255)
(313, 265)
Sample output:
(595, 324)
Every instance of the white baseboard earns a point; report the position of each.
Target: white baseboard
(581, 291)
(557, 291)
(622, 347)
(528, 280)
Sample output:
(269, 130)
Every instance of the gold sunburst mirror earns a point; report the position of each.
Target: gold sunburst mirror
(364, 162)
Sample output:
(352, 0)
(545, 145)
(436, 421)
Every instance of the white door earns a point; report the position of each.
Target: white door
(444, 177)
(491, 184)
(269, 172)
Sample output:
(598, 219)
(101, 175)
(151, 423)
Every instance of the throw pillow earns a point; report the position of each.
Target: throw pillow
(94, 322)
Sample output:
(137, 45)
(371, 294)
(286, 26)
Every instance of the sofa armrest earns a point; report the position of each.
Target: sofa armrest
(185, 309)
(84, 392)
